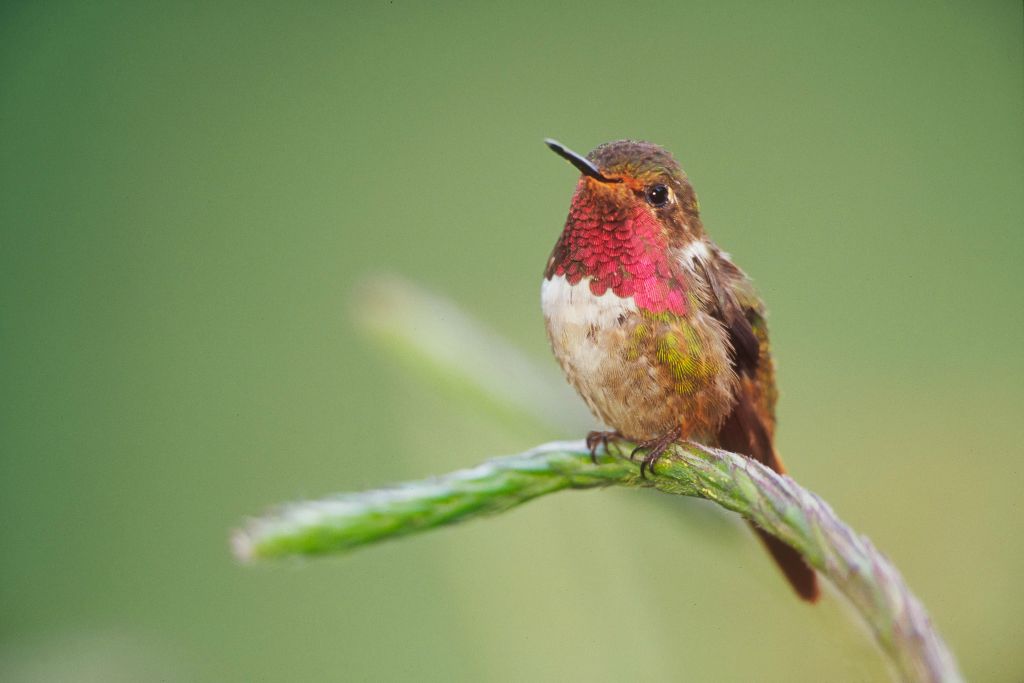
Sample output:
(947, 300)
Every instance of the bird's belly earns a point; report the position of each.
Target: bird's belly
(595, 341)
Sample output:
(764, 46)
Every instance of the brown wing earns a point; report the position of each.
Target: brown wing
(746, 347)
(750, 426)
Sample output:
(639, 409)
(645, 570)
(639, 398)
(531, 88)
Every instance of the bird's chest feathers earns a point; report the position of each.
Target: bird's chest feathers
(640, 370)
(579, 321)
(588, 335)
(595, 298)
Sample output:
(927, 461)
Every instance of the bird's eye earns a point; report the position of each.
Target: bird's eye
(657, 195)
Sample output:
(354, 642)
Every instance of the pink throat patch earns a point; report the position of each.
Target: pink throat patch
(625, 253)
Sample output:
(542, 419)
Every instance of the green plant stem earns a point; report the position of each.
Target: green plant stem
(775, 502)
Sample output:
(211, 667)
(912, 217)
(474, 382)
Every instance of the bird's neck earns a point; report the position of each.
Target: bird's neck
(621, 252)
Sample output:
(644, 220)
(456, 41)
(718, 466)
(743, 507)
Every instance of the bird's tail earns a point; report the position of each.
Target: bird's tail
(799, 574)
(793, 565)
(744, 432)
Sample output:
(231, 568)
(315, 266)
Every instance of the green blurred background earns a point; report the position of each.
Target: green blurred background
(190, 193)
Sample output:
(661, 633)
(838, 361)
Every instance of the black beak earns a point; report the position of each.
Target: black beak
(579, 161)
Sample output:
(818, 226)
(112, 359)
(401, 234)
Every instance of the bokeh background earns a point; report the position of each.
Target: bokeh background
(190, 194)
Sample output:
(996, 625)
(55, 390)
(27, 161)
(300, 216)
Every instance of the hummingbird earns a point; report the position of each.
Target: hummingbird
(660, 333)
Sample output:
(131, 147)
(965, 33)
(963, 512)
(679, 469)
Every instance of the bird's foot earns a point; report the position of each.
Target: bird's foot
(600, 439)
(655, 448)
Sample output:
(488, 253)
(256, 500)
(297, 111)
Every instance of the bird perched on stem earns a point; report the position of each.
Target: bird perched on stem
(660, 333)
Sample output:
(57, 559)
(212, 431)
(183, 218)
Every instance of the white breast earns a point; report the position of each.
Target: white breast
(575, 305)
(585, 332)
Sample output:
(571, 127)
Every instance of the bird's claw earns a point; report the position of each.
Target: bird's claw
(599, 439)
(655, 449)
